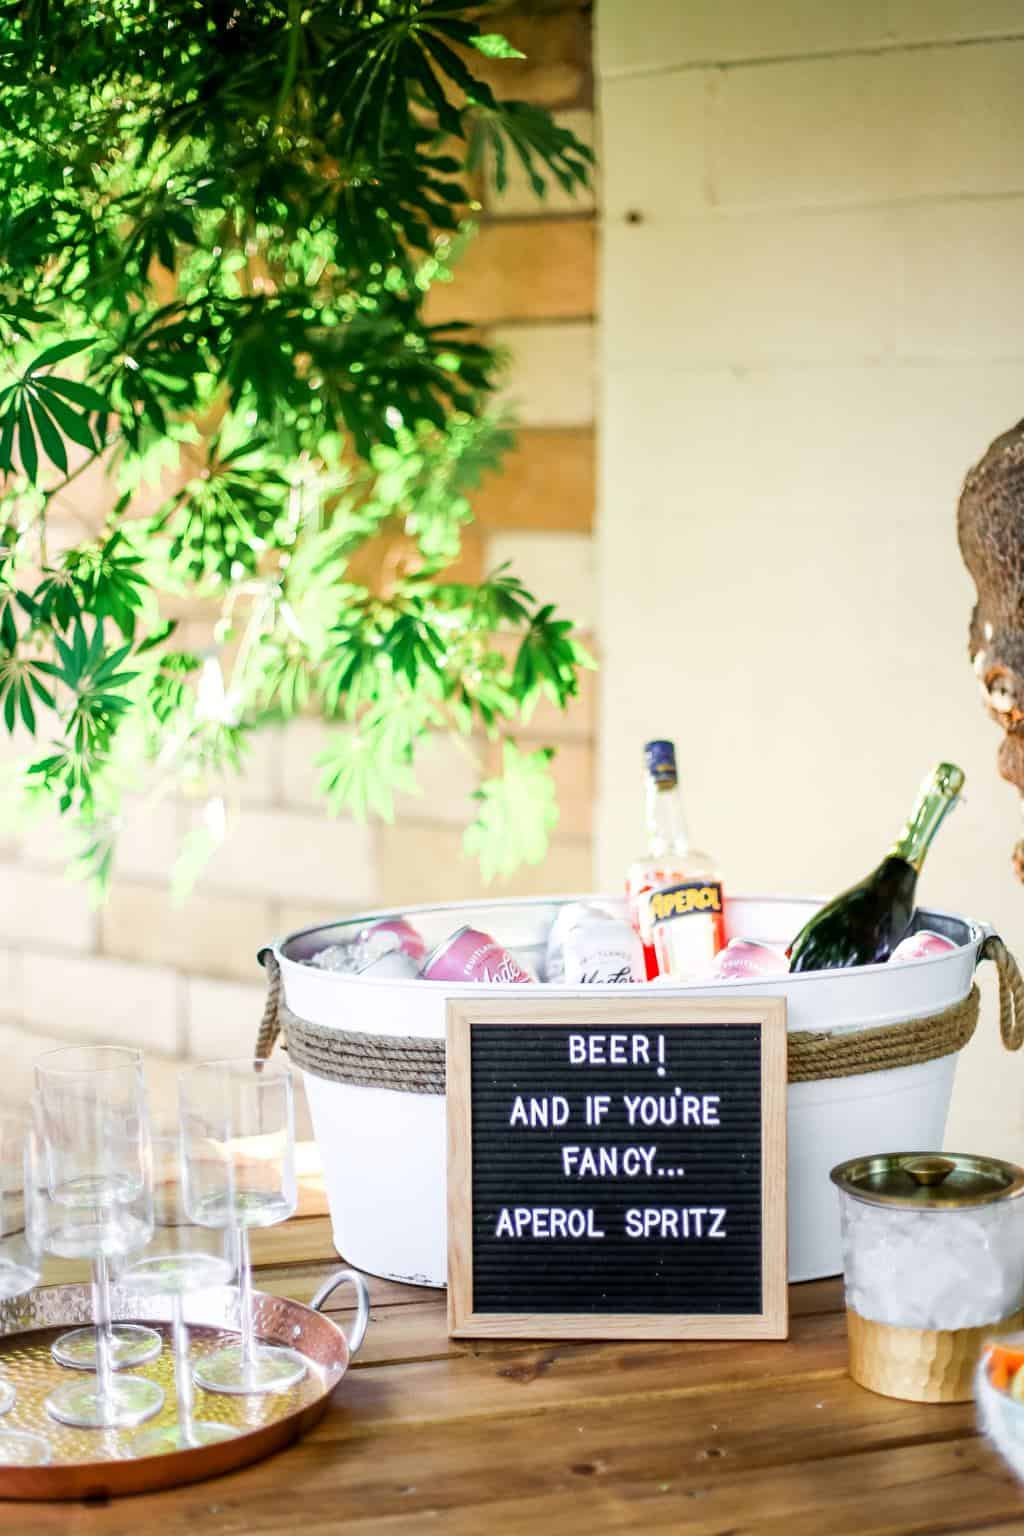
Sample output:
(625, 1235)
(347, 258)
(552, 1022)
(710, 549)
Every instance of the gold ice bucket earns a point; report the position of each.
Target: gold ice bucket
(932, 1267)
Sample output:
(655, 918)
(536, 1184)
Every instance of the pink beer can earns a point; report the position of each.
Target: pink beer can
(469, 955)
(920, 946)
(409, 938)
(743, 958)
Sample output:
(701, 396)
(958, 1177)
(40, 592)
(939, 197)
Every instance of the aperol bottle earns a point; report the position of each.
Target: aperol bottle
(671, 862)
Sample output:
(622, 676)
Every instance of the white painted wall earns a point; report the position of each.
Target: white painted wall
(813, 322)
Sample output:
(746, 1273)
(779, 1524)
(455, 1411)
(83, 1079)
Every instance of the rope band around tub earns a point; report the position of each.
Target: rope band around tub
(409, 1064)
(405, 1063)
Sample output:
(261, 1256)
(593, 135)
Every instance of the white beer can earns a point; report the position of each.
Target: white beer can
(569, 916)
(599, 951)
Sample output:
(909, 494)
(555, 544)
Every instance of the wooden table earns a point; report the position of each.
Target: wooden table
(489, 1439)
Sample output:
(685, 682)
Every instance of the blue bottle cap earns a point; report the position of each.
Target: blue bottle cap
(660, 761)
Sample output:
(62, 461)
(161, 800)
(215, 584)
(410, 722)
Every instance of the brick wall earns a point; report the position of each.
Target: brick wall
(183, 981)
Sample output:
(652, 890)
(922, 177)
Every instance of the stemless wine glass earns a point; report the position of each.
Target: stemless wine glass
(238, 1136)
(128, 1344)
(95, 1200)
(182, 1258)
(19, 1273)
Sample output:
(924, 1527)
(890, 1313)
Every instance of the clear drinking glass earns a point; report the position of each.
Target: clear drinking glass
(19, 1274)
(238, 1137)
(128, 1344)
(93, 1198)
(182, 1258)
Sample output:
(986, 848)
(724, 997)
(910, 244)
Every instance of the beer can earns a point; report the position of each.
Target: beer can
(919, 945)
(687, 924)
(600, 950)
(469, 955)
(569, 915)
(743, 958)
(409, 938)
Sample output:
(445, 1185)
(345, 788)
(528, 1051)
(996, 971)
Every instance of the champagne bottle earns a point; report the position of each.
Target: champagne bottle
(863, 925)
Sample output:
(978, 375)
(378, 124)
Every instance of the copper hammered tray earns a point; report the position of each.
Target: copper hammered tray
(95, 1463)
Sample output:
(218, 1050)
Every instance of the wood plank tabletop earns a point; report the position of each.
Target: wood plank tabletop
(470, 1437)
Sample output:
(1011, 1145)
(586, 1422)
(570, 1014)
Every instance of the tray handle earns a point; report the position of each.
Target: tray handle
(355, 1279)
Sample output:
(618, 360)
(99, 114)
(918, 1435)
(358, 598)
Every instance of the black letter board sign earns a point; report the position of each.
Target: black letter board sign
(617, 1167)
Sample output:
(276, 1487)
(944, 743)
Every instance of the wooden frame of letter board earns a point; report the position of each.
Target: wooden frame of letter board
(465, 1013)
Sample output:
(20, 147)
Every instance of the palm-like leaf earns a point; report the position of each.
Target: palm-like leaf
(222, 221)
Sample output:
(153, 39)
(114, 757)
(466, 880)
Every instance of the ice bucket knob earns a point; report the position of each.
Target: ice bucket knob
(929, 1171)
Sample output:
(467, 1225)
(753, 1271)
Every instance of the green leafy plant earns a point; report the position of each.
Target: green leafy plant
(218, 226)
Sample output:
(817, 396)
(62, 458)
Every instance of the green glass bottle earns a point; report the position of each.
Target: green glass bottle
(864, 924)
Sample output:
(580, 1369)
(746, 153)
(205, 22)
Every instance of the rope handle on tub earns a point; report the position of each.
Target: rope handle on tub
(1011, 990)
(411, 1064)
(405, 1063)
(270, 1024)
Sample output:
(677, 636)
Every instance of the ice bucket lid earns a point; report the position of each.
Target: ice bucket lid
(929, 1180)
